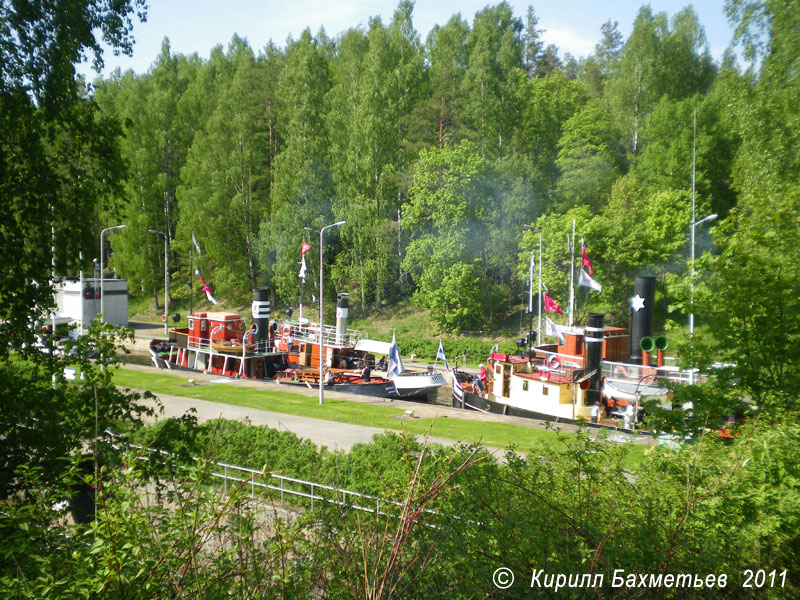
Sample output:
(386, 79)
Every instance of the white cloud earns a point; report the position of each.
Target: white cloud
(568, 40)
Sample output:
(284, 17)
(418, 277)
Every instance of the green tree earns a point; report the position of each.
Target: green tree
(225, 190)
(302, 193)
(494, 59)
(639, 231)
(656, 61)
(587, 158)
(440, 120)
(446, 217)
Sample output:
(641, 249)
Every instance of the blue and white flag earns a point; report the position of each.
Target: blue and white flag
(395, 362)
(440, 355)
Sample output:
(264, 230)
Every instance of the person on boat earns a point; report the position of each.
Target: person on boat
(328, 377)
(484, 376)
(381, 366)
(478, 384)
(366, 373)
(595, 413)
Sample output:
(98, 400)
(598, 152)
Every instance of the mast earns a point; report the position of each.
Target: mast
(572, 275)
(530, 308)
(539, 326)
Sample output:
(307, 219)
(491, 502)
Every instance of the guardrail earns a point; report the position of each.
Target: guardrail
(311, 489)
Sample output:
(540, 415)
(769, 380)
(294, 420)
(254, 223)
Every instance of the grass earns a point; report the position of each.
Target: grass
(499, 435)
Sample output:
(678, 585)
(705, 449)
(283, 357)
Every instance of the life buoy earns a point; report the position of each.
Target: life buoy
(553, 362)
(544, 374)
(164, 318)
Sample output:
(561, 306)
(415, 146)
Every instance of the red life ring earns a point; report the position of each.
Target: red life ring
(544, 374)
(553, 362)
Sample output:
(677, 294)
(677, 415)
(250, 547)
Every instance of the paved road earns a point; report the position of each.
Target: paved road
(336, 436)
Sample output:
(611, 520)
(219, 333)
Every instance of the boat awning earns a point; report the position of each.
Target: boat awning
(373, 346)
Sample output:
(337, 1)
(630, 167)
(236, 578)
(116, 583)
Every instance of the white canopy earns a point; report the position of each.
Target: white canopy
(373, 347)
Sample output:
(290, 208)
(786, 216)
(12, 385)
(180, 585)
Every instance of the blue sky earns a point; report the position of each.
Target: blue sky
(199, 25)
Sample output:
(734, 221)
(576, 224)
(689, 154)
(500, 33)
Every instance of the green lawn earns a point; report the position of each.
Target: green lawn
(499, 435)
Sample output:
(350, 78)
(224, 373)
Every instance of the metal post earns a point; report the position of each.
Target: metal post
(102, 295)
(166, 278)
(572, 276)
(321, 324)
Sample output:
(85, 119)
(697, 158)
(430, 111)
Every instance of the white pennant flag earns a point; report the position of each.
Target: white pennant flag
(302, 273)
(551, 329)
(586, 281)
(196, 245)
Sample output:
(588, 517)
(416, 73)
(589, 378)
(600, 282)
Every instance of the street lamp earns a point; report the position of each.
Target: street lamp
(321, 338)
(707, 219)
(166, 279)
(102, 295)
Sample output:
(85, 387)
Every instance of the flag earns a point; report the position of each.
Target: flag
(302, 273)
(586, 281)
(196, 245)
(304, 248)
(206, 289)
(395, 362)
(585, 258)
(552, 330)
(551, 305)
(440, 354)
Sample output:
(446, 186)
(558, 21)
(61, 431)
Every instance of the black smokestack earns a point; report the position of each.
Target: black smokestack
(593, 339)
(342, 310)
(642, 304)
(262, 311)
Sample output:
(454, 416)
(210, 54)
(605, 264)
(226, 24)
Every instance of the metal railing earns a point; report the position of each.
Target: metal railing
(311, 490)
(309, 332)
(614, 370)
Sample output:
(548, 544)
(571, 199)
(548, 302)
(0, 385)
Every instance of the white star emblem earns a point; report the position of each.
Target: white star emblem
(637, 303)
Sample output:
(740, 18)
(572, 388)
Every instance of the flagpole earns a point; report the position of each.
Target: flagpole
(539, 326)
(191, 279)
(572, 276)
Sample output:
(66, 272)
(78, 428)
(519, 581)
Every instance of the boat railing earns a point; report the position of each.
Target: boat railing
(631, 372)
(203, 344)
(309, 332)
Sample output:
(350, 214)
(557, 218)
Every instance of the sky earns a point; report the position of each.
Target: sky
(199, 25)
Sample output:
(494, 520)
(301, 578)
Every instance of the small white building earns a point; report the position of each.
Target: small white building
(81, 302)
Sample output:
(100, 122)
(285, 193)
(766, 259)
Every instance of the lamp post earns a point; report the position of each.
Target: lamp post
(102, 246)
(321, 337)
(166, 278)
(695, 223)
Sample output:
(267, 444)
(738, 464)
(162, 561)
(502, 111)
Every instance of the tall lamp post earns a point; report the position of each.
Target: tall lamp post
(321, 336)
(695, 223)
(102, 247)
(166, 278)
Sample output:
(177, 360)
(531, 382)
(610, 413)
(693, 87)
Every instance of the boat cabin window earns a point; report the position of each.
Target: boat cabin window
(545, 390)
(524, 386)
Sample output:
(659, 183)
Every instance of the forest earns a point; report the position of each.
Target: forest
(437, 154)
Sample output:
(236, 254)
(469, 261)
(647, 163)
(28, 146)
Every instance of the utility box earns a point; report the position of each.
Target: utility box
(80, 302)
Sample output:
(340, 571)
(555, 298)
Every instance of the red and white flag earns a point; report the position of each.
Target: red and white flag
(206, 289)
(304, 248)
(585, 259)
